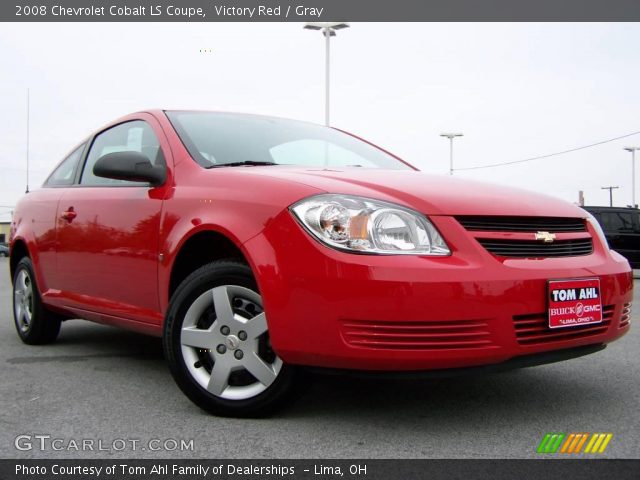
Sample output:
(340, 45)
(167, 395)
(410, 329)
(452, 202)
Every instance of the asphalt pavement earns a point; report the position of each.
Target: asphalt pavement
(112, 388)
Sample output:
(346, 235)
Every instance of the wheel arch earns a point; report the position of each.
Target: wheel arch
(19, 250)
(200, 247)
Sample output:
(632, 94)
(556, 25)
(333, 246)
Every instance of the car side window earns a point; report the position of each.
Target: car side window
(65, 173)
(134, 136)
(617, 221)
(622, 221)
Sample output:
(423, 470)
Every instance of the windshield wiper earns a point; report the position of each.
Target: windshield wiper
(240, 164)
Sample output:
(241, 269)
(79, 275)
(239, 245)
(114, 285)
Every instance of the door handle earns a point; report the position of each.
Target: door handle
(69, 215)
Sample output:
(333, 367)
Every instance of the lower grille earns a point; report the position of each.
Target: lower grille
(533, 329)
(436, 335)
(535, 249)
(625, 319)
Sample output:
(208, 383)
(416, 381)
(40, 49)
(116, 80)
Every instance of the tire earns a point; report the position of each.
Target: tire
(217, 346)
(35, 325)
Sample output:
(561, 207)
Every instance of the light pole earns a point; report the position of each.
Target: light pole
(611, 189)
(633, 174)
(451, 136)
(328, 30)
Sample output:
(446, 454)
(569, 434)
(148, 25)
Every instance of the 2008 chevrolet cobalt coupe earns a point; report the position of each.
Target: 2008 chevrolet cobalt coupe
(255, 245)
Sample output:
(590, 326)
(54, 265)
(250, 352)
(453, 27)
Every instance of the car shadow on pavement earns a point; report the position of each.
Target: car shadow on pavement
(531, 392)
(80, 340)
(540, 393)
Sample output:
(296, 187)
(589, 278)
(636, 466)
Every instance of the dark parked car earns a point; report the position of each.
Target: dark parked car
(4, 250)
(622, 229)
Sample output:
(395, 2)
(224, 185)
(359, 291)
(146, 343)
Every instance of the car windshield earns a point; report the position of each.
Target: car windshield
(228, 139)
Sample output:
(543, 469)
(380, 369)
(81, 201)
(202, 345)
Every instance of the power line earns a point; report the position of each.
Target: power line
(550, 154)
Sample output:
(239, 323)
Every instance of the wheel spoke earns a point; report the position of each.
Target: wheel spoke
(219, 380)
(256, 326)
(222, 304)
(257, 367)
(19, 312)
(197, 338)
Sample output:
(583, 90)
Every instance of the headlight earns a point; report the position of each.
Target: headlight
(598, 228)
(363, 225)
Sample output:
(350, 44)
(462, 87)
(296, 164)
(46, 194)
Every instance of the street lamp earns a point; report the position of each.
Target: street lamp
(328, 30)
(633, 174)
(451, 136)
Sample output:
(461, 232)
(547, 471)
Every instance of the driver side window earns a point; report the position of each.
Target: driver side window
(134, 136)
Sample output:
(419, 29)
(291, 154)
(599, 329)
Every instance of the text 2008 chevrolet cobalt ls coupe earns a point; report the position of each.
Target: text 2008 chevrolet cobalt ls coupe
(256, 245)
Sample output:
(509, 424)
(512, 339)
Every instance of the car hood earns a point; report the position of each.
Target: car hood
(429, 194)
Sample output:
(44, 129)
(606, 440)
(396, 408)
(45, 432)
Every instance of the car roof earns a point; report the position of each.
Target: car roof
(603, 208)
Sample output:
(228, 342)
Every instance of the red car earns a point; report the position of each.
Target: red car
(255, 246)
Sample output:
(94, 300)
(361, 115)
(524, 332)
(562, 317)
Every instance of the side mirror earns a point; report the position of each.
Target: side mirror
(131, 166)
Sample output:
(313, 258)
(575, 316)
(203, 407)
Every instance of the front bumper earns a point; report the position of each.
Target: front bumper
(334, 309)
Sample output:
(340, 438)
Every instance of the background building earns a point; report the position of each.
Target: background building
(4, 231)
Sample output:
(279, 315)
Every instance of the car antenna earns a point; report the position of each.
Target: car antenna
(27, 190)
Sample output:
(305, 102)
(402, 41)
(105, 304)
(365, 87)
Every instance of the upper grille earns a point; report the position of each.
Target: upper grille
(534, 328)
(425, 335)
(536, 249)
(522, 224)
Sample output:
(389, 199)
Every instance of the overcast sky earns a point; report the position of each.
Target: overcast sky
(514, 90)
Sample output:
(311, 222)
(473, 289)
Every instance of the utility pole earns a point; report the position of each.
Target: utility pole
(611, 189)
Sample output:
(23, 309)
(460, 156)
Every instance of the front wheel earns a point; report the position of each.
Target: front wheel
(216, 341)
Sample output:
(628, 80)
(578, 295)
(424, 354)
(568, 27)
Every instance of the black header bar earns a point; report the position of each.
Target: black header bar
(319, 10)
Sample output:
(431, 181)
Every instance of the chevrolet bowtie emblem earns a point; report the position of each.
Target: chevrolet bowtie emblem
(546, 237)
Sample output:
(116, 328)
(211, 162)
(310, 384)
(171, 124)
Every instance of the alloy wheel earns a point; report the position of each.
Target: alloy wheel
(23, 300)
(225, 343)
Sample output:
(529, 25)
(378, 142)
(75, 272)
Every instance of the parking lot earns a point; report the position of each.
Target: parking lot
(105, 384)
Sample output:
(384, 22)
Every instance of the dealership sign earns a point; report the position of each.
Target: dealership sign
(574, 302)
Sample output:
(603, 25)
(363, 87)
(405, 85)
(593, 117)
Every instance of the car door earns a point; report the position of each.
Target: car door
(108, 232)
(41, 215)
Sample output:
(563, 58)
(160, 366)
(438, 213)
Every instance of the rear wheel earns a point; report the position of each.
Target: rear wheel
(216, 340)
(34, 323)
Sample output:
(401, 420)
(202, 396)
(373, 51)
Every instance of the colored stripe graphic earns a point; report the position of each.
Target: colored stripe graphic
(550, 443)
(604, 445)
(567, 442)
(572, 443)
(598, 443)
(581, 443)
